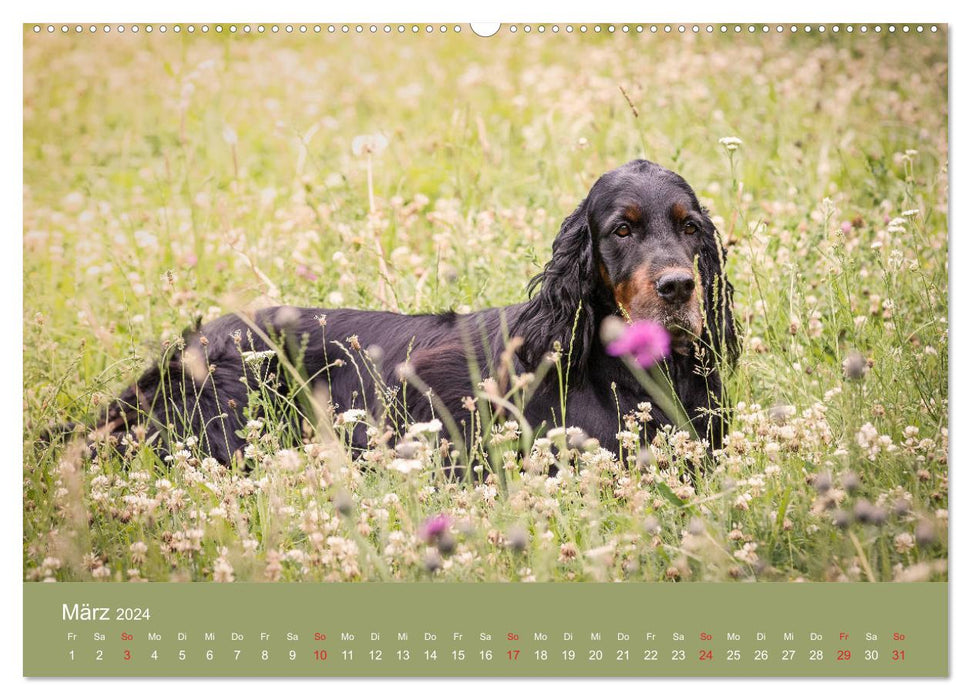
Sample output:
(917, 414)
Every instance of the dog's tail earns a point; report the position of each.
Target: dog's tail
(61, 432)
(190, 391)
(131, 409)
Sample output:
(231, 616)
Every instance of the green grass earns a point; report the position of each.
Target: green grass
(169, 178)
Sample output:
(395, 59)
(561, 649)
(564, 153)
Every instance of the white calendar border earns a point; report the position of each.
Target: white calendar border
(439, 10)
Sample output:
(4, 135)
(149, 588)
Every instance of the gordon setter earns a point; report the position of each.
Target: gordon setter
(639, 246)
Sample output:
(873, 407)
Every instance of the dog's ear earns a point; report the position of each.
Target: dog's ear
(720, 333)
(562, 310)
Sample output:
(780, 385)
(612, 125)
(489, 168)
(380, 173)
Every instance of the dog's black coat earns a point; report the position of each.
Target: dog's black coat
(637, 223)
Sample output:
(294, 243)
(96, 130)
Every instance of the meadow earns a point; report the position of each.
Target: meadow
(172, 178)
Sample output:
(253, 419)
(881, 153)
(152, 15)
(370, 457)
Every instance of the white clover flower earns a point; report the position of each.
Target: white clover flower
(353, 415)
(405, 466)
(432, 427)
(222, 571)
(504, 433)
(731, 143)
(144, 239)
(628, 439)
(867, 436)
(748, 553)
(288, 460)
(903, 542)
(256, 357)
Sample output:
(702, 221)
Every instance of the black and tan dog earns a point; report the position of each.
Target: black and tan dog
(639, 246)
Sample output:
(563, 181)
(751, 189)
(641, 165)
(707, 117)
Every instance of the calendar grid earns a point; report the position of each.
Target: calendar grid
(485, 630)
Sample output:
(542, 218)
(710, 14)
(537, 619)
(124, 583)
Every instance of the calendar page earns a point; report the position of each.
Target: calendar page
(485, 350)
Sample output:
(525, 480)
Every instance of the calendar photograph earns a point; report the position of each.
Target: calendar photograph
(457, 304)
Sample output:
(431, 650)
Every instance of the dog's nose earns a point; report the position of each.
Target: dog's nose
(676, 287)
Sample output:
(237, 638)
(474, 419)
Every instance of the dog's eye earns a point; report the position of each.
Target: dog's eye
(690, 227)
(623, 230)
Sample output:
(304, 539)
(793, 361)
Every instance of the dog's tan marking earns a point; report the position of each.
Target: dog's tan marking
(678, 211)
(633, 214)
(639, 299)
(638, 296)
(605, 277)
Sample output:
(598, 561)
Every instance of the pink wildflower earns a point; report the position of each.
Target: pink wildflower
(434, 528)
(646, 341)
(306, 273)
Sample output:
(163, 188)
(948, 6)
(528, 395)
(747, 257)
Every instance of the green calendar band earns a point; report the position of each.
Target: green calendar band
(513, 629)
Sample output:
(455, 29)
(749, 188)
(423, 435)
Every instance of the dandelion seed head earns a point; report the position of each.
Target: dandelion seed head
(369, 144)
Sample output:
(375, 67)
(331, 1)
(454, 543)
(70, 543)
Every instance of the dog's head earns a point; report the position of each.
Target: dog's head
(647, 231)
(639, 246)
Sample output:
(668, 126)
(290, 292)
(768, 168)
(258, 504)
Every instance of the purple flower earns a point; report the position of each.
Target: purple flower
(646, 341)
(433, 528)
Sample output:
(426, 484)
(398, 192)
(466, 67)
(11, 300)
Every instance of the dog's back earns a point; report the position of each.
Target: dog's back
(295, 362)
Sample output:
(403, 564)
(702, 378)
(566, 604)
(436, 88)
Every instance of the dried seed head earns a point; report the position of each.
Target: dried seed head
(779, 413)
(863, 511)
(517, 538)
(576, 439)
(866, 512)
(433, 560)
(568, 552)
(925, 533)
(286, 318)
(823, 482)
(850, 481)
(854, 366)
(376, 353)
(408, 449)
(343, 503)
(446, 544)
(645, 459)
(841, 519)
